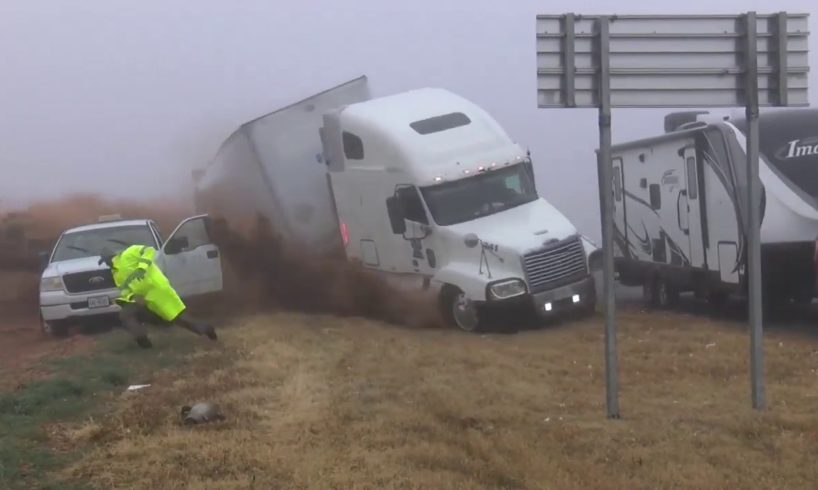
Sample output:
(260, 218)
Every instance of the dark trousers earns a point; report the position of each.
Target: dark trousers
(134, 317)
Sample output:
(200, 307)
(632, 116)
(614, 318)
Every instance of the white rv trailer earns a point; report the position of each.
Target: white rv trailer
(680, 204)
(424, 186)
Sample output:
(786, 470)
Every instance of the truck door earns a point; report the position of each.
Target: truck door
(190, 259)
(620, 228)
(419, 248)
(694, 213)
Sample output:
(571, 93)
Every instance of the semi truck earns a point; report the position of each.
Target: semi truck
(681, 208)
(422, 186)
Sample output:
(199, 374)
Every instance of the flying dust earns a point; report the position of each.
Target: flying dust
(265, 272)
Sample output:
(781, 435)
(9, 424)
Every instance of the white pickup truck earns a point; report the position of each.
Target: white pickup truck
(74, 286)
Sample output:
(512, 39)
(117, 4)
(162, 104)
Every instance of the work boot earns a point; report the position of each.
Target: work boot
(187, 322)
(144, 342)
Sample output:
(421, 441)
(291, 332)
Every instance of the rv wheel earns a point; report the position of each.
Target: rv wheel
(649, 292)
(666, 294)
(718, 299)
(459, 310)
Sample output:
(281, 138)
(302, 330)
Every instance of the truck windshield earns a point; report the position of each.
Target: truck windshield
(484, 194)
(90, 243)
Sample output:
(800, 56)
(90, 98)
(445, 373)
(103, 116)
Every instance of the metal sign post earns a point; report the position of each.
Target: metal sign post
(605, 173)
(754, 296)
(674, 61)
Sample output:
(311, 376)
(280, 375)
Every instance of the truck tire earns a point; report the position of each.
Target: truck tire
(718, 299)
(590, 303)
(53, 329)
(458, 310)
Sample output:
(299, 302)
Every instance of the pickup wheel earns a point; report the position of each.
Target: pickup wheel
(54, 328)
(458, 310)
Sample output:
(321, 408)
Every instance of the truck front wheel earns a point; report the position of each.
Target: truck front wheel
(459, 310)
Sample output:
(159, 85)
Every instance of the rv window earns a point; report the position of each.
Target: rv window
(353, 146)
(440, 123)
(692, 179)
(412, 205)
(655, 197)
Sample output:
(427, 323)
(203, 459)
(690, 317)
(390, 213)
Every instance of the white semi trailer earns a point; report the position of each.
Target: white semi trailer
(423, 185)
(681, 207)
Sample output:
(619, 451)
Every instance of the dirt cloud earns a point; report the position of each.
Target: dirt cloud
(268, 273)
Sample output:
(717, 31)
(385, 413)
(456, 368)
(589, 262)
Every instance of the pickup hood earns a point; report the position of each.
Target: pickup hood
(75, 265)
(520, 229)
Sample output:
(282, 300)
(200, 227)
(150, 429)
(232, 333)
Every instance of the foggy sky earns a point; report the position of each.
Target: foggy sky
(125, 98)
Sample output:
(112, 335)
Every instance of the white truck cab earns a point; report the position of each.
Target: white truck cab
(74, 286)
(426, 183)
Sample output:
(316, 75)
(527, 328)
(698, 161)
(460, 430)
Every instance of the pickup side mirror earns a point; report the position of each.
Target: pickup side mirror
(43, 256)
(175, 245)
(394, 208)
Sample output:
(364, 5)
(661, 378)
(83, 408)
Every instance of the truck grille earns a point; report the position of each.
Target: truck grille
(80, 282)
(556, 265)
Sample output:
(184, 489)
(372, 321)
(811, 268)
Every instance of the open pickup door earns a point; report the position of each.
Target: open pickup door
(190, 259)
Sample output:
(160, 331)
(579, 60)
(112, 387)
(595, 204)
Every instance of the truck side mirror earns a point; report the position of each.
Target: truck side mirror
(395, 211)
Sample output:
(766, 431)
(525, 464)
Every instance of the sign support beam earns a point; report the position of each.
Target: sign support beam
(605, 174)
(754, 297)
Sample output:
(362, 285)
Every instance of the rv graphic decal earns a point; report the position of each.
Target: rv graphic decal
(670, 179)
(628, 249)
(798, 148)
(647, 248)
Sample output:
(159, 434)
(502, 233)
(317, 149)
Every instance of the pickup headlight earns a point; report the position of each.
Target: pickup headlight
(507, 289)
(51, 284)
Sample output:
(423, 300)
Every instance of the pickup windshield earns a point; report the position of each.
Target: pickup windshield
(484, 194)
(90, 243)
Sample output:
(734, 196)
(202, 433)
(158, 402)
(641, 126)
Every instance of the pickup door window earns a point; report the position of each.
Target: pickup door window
(191, 260)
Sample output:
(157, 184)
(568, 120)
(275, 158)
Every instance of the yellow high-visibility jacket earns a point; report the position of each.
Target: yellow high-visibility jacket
(154, 287)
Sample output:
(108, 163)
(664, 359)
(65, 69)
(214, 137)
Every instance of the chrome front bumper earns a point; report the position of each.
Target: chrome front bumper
(60, 305)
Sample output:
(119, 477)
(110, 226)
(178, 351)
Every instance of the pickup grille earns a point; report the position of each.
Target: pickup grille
(556, 265)
(81, 282)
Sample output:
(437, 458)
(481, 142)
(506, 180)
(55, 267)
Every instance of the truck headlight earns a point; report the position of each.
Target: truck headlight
(507, 289)
(51, 284)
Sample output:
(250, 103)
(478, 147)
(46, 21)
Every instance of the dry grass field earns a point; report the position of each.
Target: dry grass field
(318, 402)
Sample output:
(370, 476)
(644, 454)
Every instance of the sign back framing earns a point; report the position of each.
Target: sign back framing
(678, 61)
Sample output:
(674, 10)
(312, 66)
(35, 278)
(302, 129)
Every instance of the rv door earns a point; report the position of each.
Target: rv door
(694, 211)
(619, 203)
